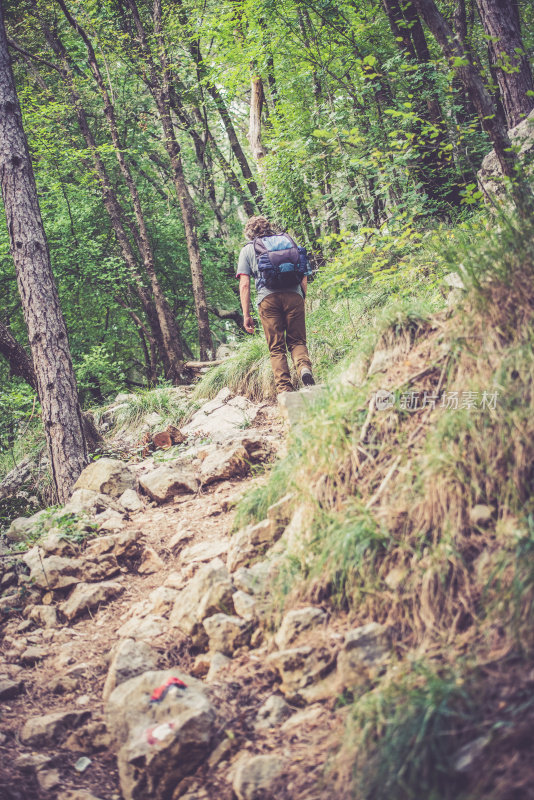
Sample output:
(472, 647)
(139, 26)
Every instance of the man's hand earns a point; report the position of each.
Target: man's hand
(248, 324)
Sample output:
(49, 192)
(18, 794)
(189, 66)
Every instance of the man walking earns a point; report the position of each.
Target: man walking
(280, 273)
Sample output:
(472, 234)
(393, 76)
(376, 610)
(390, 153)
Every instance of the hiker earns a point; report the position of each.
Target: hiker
(280, 272)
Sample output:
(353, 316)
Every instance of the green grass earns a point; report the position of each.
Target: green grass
(166, 401)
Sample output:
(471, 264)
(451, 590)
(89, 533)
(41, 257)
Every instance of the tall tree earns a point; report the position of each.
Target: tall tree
(507, 53)
(61, 413)
(158, 80)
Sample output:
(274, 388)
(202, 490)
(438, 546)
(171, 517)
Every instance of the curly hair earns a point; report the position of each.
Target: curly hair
(258, 226)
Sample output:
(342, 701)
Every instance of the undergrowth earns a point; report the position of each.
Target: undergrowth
(420, 516)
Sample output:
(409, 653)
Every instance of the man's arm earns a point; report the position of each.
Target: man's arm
(304, 285)
(244, 293)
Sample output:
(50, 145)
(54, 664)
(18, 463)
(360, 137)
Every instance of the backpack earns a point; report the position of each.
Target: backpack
(281, 263)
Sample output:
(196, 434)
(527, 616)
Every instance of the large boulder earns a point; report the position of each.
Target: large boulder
(165, 482)
(522, 137)
(107, 476)
(159, 743)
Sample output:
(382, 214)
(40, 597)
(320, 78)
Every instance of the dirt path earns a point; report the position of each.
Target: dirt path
(73, 660)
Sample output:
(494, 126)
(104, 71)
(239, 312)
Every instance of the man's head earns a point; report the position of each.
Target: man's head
(258, 226)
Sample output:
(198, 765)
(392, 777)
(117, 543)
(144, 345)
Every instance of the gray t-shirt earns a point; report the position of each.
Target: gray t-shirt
(248, 265)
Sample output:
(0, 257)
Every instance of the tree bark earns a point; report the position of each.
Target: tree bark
(254, 130)
(19, 362)
(56, 384)
(502, 25)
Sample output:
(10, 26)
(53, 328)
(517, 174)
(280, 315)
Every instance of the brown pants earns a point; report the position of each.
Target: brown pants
(282, 317)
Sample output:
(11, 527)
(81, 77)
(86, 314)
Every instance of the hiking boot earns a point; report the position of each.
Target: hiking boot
(307, 377)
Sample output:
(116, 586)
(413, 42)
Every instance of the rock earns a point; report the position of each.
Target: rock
(273, 712)
(77, 794)
(140, 629)
(218, 663)
(296, 622)
(130, 658)
(255, 777)
(131, 501)
(9, 688)
(161, 600)
(107, 476)
(46, 616)
(150, 562)
(28, 762)
(86, 596)
(250, 542)
(220, 753)
(490, 175)
(280, 513)
(480, 514)
(8, 579)
(363, 656)
(209, 591)
(164, 483)
(226, 633)
(204, 551)
(160, 743)
(297, 534)
(221, 417)
(296, 406)
(302, 669)
(55, 543)
(48, 779)
(252, 579)
(48, 730)
(225, 463)
(52, 572)
(21, 527)
(33, 654)
(233, 461)
(245, 605)
(88, 501)
(121, 544)
(110, 520)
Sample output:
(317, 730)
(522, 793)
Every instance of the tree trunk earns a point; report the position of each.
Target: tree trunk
(254, 130)
(62, 418)
(502, 25)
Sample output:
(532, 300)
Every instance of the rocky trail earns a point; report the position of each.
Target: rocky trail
(164, 595)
